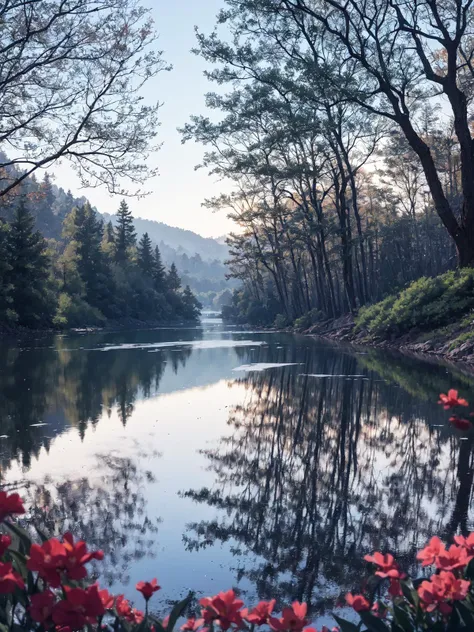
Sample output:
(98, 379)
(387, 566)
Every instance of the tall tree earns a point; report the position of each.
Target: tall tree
(84, 229)
(125, 236)
(108, 241)
(159, 271)
(84, 65)
(173, 280)
(145, 259)
(397, 55)
(6, 312)
(46, 221)
(191, 306)
(29, 273)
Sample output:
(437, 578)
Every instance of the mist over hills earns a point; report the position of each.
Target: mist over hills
(181, 240)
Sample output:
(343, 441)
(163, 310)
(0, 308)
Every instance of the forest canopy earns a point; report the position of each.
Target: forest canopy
(345, 128)
(90, 273)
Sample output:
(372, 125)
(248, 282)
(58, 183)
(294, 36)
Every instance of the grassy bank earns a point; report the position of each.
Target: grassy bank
(432, 315)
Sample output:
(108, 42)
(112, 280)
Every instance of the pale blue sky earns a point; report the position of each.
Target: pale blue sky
(177, 193)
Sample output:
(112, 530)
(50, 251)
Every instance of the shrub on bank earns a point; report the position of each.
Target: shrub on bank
(310, 318)
(427, 303)
(44, 587)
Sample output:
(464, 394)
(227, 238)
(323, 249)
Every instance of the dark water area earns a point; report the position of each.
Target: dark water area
(217, 458)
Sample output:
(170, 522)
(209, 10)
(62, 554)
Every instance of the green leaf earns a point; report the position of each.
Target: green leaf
(403, 619)
(373, 623)
(42, 535)
(410, 594)
(346, 626)
(466, 615)
(156, 623)
(178, 611)
(20, 562)
(21, 534)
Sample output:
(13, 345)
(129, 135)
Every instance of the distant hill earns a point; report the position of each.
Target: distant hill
(180, 240)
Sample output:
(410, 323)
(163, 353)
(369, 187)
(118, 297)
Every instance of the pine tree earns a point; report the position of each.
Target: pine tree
(145, 256)
(191, 306)
(46, 221)
(6, 312)
(84, 230)
(159, 272)
(125, 238)
(173, 280)
(31, 299)
(108, 241)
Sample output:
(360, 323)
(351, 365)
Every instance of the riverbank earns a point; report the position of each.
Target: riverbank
(454, 342)
(125, 324)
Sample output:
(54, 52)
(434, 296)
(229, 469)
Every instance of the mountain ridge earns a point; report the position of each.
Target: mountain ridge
(182, 240)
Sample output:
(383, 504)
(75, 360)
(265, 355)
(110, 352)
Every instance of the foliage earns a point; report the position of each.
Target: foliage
(426, 303)
(332, 180)
(281, 321)
(74, 73)
(92, 274)
(308, 319)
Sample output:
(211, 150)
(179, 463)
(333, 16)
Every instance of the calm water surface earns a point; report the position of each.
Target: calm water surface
(213, 457)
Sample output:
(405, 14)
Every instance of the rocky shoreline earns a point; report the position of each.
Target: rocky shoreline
(454, 343)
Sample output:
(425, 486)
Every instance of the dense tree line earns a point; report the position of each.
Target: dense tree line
(93, 273)
(346, 133)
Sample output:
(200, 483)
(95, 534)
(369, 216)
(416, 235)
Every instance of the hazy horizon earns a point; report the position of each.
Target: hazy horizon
(179, 190)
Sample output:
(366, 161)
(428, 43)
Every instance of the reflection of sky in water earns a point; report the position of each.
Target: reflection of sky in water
(291, 478)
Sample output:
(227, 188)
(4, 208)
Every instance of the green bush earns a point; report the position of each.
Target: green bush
(427, 303)
(76, 313)
(310, 318)
(281, 321)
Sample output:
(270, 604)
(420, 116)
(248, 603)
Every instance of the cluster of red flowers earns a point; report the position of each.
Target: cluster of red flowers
(226, 611)
(444, 587)
(61, 606)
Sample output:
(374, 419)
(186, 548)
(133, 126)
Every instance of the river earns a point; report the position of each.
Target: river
(213, 457)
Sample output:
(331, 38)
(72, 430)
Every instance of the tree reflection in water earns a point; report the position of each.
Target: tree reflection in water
(318, 472)
(108, 510)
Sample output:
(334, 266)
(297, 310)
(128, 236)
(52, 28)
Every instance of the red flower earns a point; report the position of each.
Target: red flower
(9, 505)
(223, 608)
(451, 400)
(122, 606)
(124, 610)
(76, 556)
(460, 424)
(79, 608)
(260, 614)
(387, 565)
(395, 590)
(292, 620)
(5, 541)
(429, 554)
(48, 560)
(443, 588)
(148, 588)
(358, 602)
(191, 625)
(41, 607)
(137, 616)
(9, 579)
(379, 610)
(106, 598)
(453, 558)
(467, 543)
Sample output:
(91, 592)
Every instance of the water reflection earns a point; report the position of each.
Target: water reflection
(108, 510)
(291, 468)
(316, 472)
